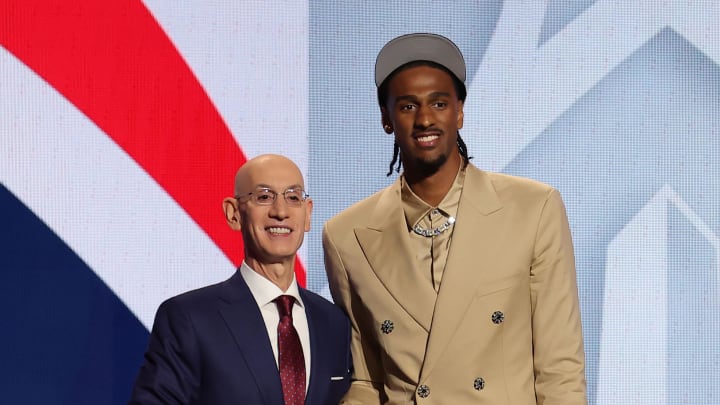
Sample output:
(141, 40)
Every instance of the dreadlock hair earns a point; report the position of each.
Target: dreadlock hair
(460, 90)
(397, 158)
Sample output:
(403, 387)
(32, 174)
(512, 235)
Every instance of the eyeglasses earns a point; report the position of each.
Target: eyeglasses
(294, 197)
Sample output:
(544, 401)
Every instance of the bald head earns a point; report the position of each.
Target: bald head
(261, 169)
(272, 212)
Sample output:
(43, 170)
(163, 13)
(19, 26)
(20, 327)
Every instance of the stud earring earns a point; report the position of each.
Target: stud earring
(388, 128)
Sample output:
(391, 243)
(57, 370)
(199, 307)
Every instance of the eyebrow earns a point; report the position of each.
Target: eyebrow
(409, 97)
(294, 186)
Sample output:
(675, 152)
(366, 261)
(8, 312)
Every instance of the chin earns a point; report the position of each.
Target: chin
(281, 255)
(431, 166)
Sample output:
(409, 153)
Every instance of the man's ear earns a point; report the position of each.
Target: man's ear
(232, 213)
(386, 123)
(308, 216)
(461, 114)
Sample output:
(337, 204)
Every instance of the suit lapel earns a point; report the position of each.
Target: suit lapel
(318, 381)
(472, 248)
(386, 246)
(243, 317)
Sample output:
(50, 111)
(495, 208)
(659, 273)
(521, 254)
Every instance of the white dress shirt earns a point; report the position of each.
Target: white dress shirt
(265, 291)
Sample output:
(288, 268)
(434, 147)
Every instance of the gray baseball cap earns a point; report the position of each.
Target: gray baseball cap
(419, 46)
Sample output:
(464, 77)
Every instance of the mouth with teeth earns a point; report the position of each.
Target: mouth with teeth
(427, 140)
(279, 230)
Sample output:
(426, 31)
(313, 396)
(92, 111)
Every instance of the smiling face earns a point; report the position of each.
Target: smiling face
(272, 233)
(424, 112)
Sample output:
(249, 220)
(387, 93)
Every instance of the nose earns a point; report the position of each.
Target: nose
(279, 208)
(424, 117)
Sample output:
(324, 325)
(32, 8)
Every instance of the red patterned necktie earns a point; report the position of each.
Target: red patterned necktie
(290, 354)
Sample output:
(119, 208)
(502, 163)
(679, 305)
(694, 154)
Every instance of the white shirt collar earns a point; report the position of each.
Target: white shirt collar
(265, 291)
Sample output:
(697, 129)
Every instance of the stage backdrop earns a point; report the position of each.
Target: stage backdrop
(122, 124)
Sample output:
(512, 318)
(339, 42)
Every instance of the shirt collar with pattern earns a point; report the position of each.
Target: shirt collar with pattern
(416, 209)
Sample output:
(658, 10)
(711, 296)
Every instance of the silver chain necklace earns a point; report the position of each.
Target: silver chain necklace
(428, 233)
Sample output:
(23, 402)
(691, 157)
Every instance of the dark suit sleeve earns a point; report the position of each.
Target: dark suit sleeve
(557, 333)
(169, 374)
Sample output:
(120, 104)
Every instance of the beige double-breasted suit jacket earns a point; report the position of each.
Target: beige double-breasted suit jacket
(504, 327)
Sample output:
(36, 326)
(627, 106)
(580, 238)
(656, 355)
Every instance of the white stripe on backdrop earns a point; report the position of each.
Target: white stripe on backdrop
(252, 64)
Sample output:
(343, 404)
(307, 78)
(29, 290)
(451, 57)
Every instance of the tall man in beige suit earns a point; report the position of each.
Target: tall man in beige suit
(459, 283)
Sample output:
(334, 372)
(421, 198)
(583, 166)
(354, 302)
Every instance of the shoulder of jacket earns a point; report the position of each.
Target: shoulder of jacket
(195, 299)
(318, 302)
(358, 212)
(506, 183)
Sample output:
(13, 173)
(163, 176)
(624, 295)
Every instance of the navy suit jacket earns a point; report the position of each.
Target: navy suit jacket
(210, 346)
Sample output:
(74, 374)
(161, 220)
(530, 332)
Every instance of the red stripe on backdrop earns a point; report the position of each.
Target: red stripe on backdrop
(113, 61)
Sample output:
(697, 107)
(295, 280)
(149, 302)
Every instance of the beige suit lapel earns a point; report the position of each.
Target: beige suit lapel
(386, 245)
(471, 253)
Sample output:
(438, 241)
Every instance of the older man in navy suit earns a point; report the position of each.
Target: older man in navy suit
(256, 338)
